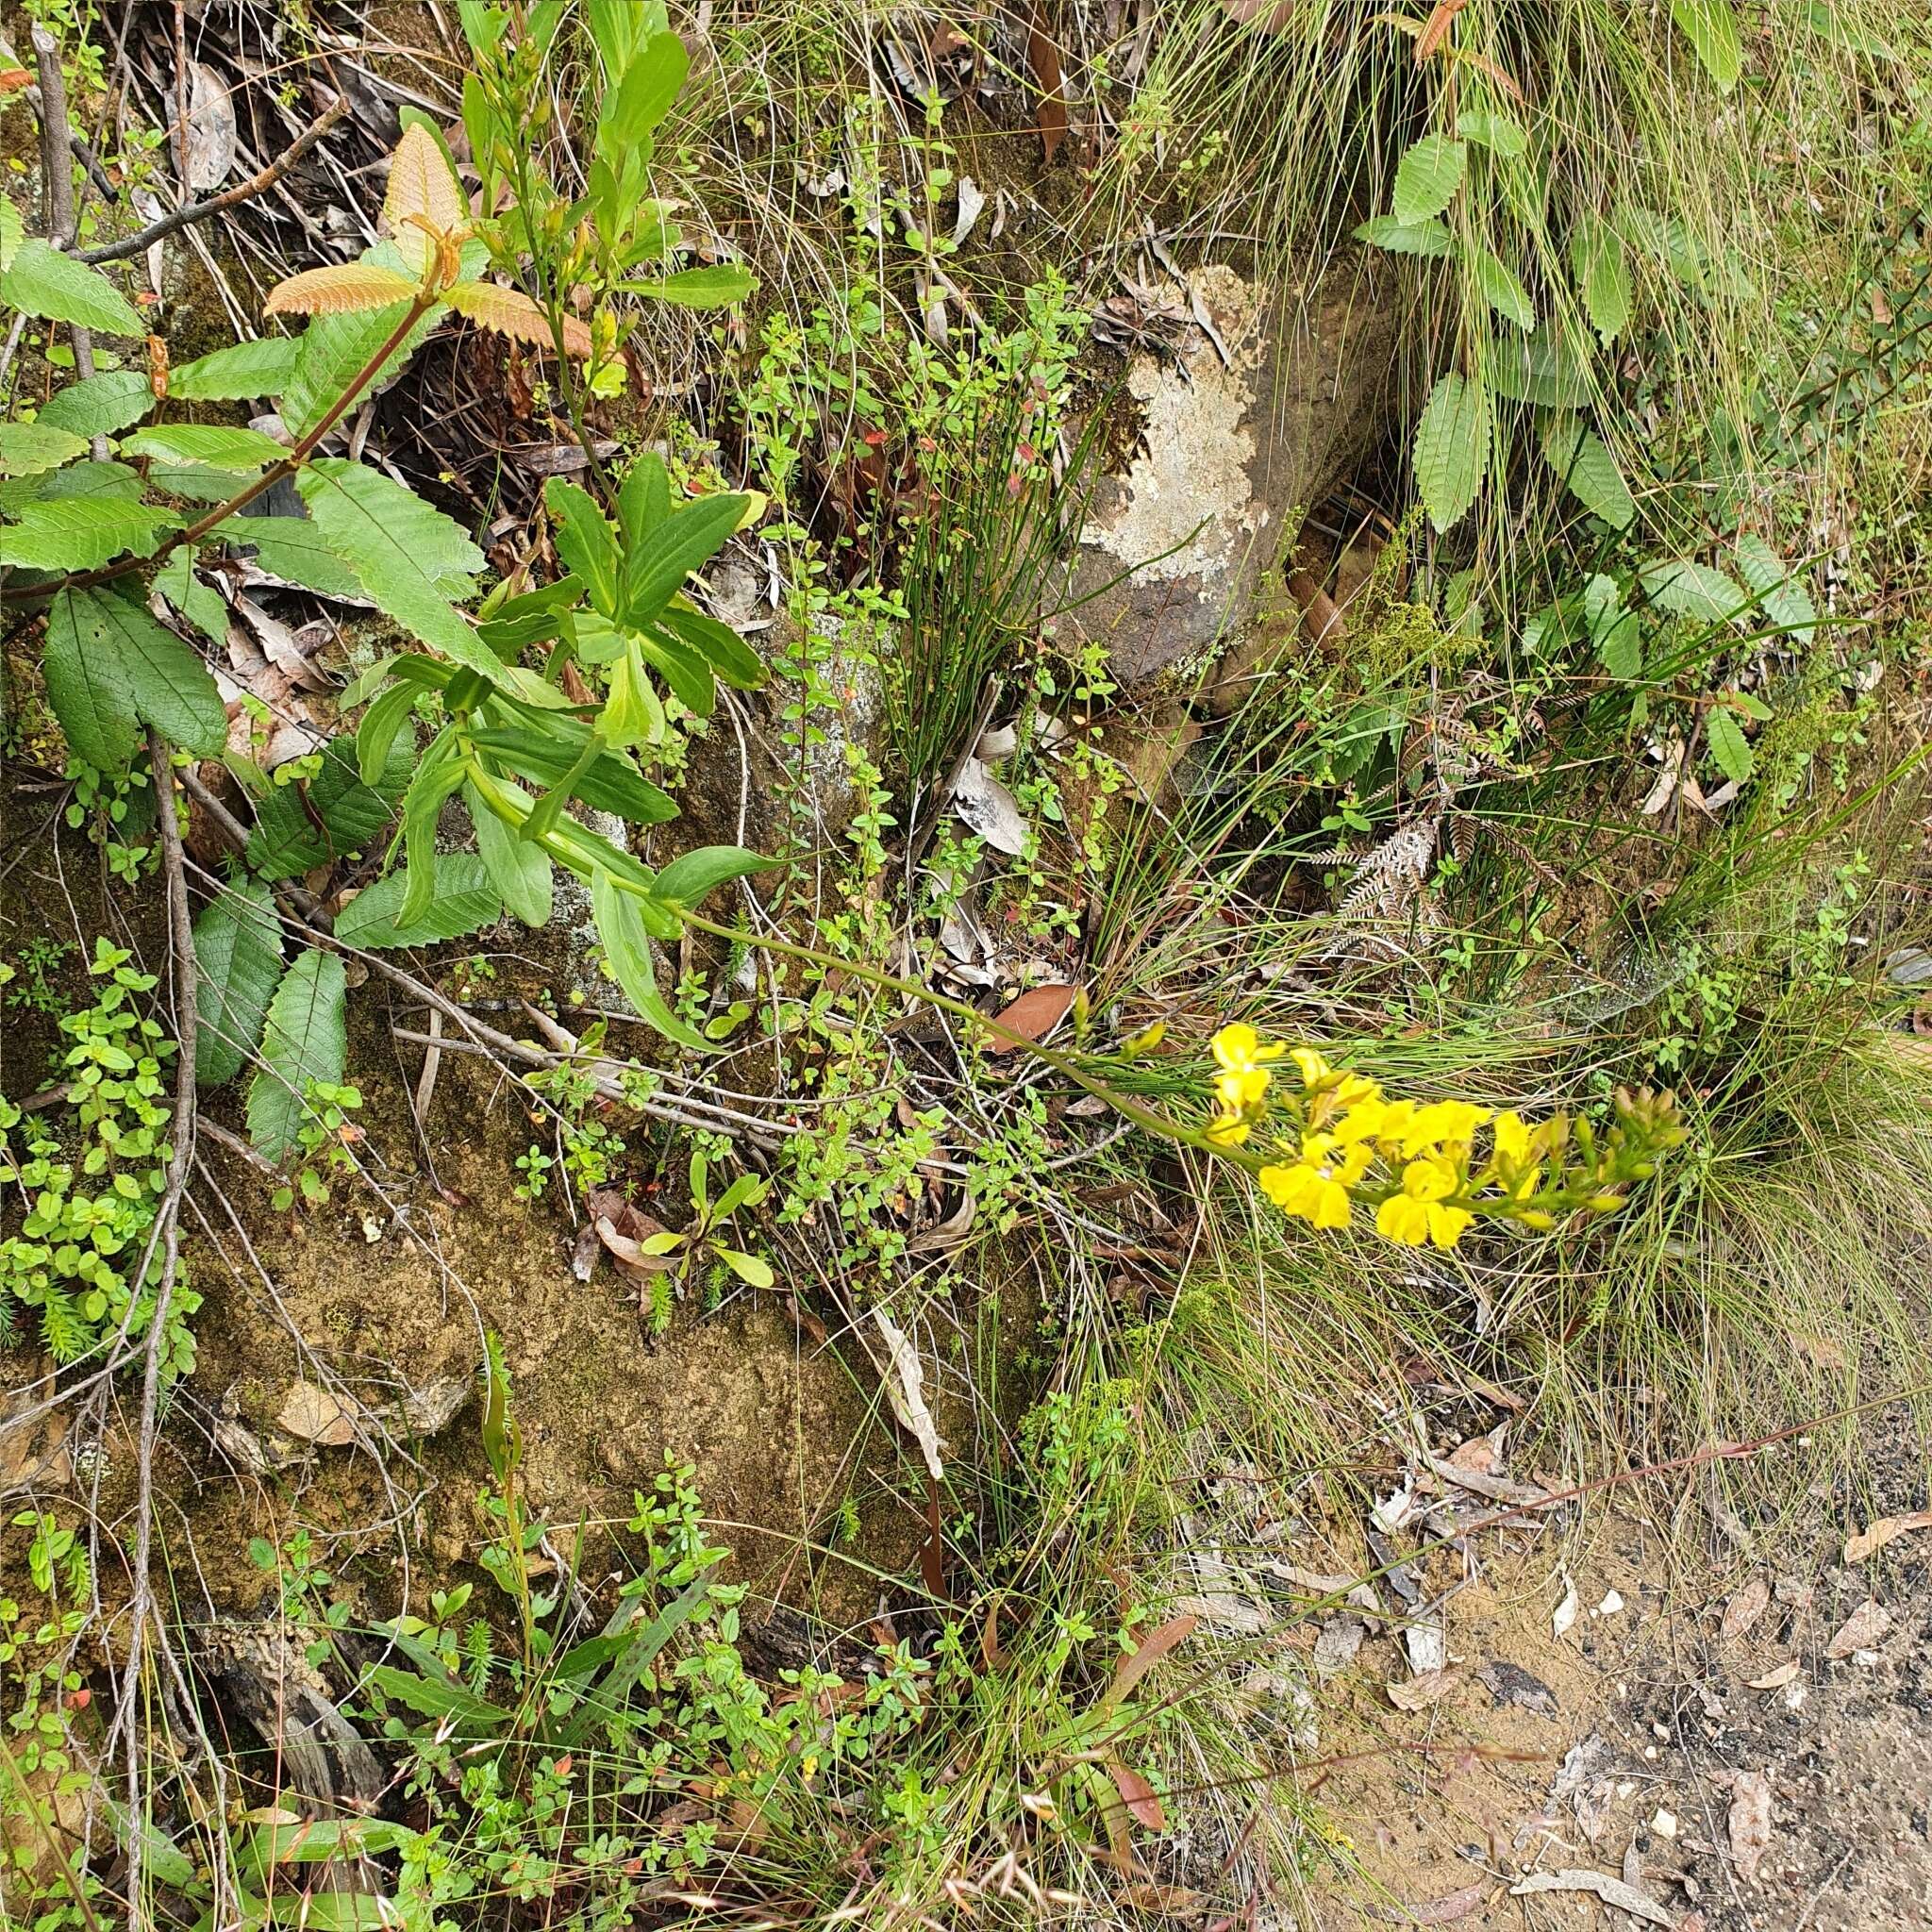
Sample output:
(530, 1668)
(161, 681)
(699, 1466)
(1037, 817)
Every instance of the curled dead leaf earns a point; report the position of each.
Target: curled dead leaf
(1872, 1538)
(1745, 1608)
(904, 1382)
(1422, 1692)
(1777, 1681)
(1033, 1015)
(1860, 1630)
(313, 1415)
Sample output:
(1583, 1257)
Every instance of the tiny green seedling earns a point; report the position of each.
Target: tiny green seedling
(747, 1190)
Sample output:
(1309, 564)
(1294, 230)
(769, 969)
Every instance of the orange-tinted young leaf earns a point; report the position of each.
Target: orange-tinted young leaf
(1138, 1795)
(510, 312)
(1436, 31)
(424, 199)
(341, 290)
(14, 79)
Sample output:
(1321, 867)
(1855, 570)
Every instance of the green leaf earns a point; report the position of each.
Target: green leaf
(645, 501)
(335, 348)
(110, 667)
(108, 482)
(1711, 29)
(397, 545)
(465, 902)
(293, 549)
(12, 232)
(237, 962)
(305, 1039)
(1615, 633)
(1452, 448)
(518, 868)
(78, 534)
(689, 537)
(376, 737)
(1729, 748)
(1538, 369)
(100, 405)
(1692, 590)
(747, 1266)
(717, 287)
(199, 603)
(1587, 469)
(437, 775)
(1427, 239)
(611, 784)
(288, 840)
(1781, 594)
(239, 451)
(1503, 291)
(688, 879)
(621, 926)
(239, 373)
(1426, 178)
(1501, 135)
(641, 99)
(40, 281)
(26, 449)
(729, 655)
(1603, 275)
(585, 541)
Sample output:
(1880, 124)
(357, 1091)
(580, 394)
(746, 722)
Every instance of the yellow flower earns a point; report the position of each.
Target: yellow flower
(1240, 1089)
(1227, 1130)
(1442, 1119)
(1313, 1068)
(1418, 1213)
(1307, 1192)
(1364, 1121)
(1239, 1049)
(1512, 1136)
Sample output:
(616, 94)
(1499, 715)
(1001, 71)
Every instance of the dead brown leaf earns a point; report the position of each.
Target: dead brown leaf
(313, 1415)
(1034, 1014)
(1777, 1679)
(1872, 1538)
(1745, 1609)
(1435, 28)
(1421, 1693)
(1050, 115)
(1860, 1630)
(1449, 1907)
(1749, 1821)
(1138, 1795)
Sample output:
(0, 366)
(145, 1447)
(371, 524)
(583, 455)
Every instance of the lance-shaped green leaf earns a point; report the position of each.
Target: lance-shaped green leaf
(1711, 27)
(1588, 471)
(1728, 745)
(1426, 178)
(654, 571)
(717, 287)
(464, 900)
(199, 603)
(30, 449)
(238, 963)
(620, 927)
(304, 1041)
(608, 782)
(239, 374)
(585, 541)
(688, 878)
(519, 869)
(213, 445)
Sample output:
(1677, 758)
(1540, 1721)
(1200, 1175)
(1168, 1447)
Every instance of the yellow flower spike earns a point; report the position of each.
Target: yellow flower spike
(1239, 1049)
(1418, 1213)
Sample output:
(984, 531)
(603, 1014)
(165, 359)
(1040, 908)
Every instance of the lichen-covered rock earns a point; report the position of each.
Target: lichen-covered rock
(1250, 420)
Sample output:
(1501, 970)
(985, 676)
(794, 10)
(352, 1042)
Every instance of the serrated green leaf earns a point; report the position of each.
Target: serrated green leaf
(1497, 132)
(404, 553)
(40, 281)
(287, 840)
(294, 550)
(335, 348)
(1502, 290)
(239, 451)
(519, 868)
(12, 232)
(1602, 276)
(1430, 240)
(1692, 590)
(100, 405)
(82, 533)
(688, 879)
(585, 541)
(465, 901)
(620, 927)
(199, 603)
(305, 1039)
(697, 288)
(108, 482)
(1614, 631)
(1426, 178)
(237, 962)
(1730, 750)
(1781, 594)
(1711, 27)
(1452, 448)
(1587, 470)
(240, 374)
(1538, 369)
(27, 449)
(110, 667)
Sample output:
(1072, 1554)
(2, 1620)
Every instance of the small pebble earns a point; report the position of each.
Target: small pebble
(1665, 1825)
